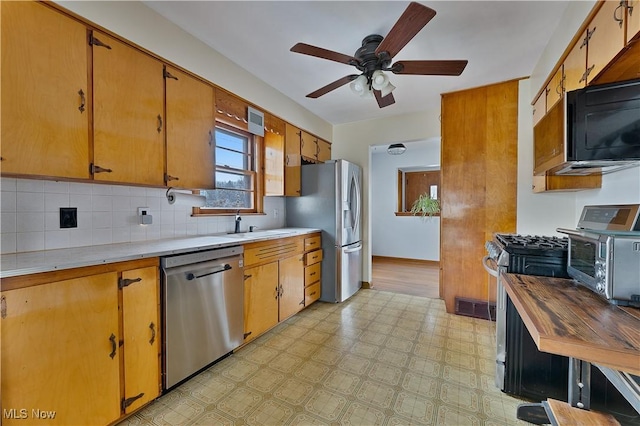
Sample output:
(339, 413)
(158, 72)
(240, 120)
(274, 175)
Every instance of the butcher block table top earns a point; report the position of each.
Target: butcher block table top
(567, 319)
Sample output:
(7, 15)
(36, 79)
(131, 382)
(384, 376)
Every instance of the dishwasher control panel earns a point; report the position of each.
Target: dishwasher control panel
(199, 256)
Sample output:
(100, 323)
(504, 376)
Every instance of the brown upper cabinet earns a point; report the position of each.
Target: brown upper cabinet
(606, 37)
(324, 151)
(575, 65)
(292, 161)
(128, 122)
(308, 146)
(274, 156)
(46, 103)
(190, 131)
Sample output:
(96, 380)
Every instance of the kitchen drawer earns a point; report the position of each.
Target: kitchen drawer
(267, 251)
(312, 257)
(311, 294)
(312, 243)
(312, 274)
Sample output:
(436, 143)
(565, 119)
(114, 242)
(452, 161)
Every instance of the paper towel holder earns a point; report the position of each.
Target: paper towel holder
(185, 199)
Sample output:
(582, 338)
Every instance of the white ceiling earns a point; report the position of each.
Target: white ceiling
(502, 40)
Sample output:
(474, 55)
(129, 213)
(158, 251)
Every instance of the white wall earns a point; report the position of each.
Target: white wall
(351, 142)
(408, 237)
(30, 211)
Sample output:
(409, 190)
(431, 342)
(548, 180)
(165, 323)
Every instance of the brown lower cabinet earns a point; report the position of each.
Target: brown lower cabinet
(80, 346)
(274, 282)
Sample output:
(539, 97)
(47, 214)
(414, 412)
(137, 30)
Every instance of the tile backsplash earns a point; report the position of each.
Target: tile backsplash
(107, 214)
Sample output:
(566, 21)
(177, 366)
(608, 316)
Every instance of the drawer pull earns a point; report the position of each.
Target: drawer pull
(312, 274)
(312, 294)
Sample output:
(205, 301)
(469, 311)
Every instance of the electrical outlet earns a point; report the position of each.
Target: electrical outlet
(144, 216)
(68, 217)
(143, 211)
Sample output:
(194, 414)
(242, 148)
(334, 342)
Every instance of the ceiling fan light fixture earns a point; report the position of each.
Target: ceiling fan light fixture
(379, 80)
(387, 89)
(396, 149)
(359, 85)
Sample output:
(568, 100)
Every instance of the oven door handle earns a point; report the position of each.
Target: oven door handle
(491, 271)
(191, 276)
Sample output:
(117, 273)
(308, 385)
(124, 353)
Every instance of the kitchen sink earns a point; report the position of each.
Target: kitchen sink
(257, 234)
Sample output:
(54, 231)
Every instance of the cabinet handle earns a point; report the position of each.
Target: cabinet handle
(82, 100)
(312, 274)
(167, 74)
(96, 42)
(152, 326)
(286, 160)
(3, 307)
(127, 402)
(159, 123)
(112, 339)
(125, 282)
(615, 13)
(312, 293)
(93, 169)
(277, 293)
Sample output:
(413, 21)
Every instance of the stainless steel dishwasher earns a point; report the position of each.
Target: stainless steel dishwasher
(203, 301)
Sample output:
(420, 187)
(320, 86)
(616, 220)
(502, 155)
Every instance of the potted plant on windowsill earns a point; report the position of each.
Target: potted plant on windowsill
(425, 206)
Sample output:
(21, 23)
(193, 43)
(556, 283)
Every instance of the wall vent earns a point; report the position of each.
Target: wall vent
(475, 308)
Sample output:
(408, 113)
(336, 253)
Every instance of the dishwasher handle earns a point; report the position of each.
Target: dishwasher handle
(191, 276)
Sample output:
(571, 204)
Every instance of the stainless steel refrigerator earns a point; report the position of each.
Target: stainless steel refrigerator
(331, 200)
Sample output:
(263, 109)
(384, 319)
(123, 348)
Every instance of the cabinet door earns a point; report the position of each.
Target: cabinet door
(45, 102)
(575, 65)
(260, 299)
(59, 350)
(555, 90)
(274, 179)
(308, 146)
(324, 151)
(606, 37)
(539, 108)
(633, 20)
(292, 161)
(291, 286)
(190, 126)
(128, 114)
(141, 332)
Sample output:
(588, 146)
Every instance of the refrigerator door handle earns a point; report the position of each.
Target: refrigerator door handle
(355, 249)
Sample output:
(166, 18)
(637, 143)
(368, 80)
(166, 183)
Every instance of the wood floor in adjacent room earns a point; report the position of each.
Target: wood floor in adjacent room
(406, 276)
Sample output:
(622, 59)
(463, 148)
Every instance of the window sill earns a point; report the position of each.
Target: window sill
(411, 214)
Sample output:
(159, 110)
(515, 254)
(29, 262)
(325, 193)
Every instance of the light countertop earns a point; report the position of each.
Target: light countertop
(50, 260)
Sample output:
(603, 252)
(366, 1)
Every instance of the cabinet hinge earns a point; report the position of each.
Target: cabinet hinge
(301, 302)
(3, 307)
(93, 169)
(246, 277)
(167, 74)
(247, 335)
(94, 41)
(124, 282)
(168, 178)
(128, 401)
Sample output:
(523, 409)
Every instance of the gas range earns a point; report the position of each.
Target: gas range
(530, 254)
(533, 244)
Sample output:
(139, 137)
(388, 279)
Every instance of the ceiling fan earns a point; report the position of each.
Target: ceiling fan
(375, 55)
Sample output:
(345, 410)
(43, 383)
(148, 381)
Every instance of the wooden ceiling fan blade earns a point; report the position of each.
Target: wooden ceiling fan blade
(384, 101)
(429, 67)
(414, 18)
(319, 52)
(332, 86)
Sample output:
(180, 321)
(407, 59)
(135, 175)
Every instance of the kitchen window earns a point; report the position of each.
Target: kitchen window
(235, 173)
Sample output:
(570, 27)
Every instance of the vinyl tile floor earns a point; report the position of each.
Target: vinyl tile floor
(379, 358)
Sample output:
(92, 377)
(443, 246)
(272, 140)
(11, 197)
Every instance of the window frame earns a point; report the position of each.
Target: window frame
(255, 149)
(403, 207)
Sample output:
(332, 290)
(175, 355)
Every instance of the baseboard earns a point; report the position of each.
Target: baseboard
(405, 260)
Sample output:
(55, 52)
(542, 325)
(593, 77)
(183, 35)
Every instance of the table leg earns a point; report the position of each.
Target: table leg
(579, 383)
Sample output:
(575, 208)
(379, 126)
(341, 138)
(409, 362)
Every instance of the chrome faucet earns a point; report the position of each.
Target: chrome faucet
(238, 219)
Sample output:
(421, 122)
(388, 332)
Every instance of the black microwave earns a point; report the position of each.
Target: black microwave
(603, 126)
